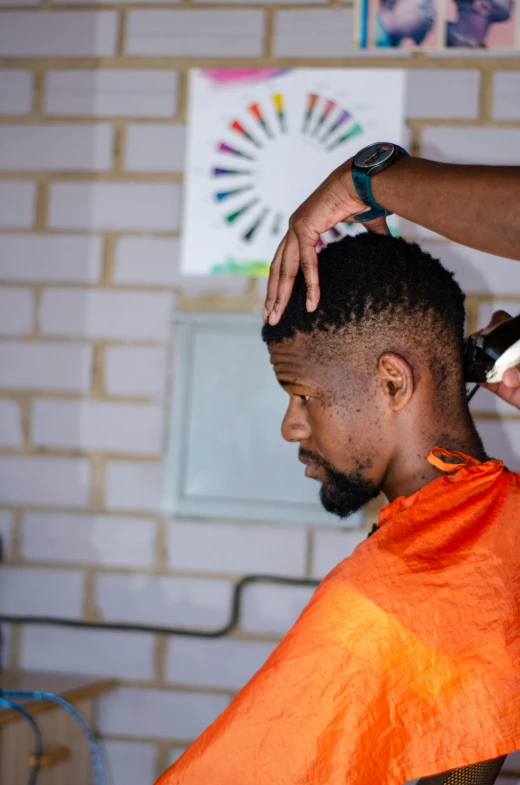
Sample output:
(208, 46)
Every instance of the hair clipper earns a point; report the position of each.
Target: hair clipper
(487, 357)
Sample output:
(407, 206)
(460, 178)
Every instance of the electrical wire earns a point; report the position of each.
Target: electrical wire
(9, 704)
(49, 696)
(230, 625)
(472, 392)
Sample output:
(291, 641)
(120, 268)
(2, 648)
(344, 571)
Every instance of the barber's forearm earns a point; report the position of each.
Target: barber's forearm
(478, 206)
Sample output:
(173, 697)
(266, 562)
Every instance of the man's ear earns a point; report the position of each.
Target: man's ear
(396, 380)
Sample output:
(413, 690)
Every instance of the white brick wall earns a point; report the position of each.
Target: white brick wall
(115, 206)
(220, 663)
(111, 93)
(18, 204)
(60, 34)
(192, 603)
(64, 148)
(477, 272)
(331, 547)
(229, 547)
(6, 532)
(35, 365)
(175, 754)
(11, 434)
(147, 260)
(502, 440)
(44, 481)
(102, 540)
(314, 33)
(106, 314)
(488, 307)
(14, 3)
(130, 762)
(472, 145)
(442, 93)
(161, 714)
(97, 425)
(47, 257)
(99, 653)
(16, 311)
(130, 370)
(154, 148)
(33, 591)
(271, 608)
(154, 261)
(133, 485)
(506, 95)
(195, 33)
(15, 92)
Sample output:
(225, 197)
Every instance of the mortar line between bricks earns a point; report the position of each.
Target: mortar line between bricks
(151, 572)
(177, 63)
(92, 177)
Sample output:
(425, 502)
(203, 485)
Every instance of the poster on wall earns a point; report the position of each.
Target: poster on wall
(260, 141)
(438, 24)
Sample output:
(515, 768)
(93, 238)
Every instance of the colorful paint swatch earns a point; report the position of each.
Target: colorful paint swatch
(225, 148)
(354, 131)
(311, 103)
(218, 172)
(329, 106)
(221, 195)
(343, 117)
(277, 224)
(239, 128)
(248, 236)
(278, 101)
(257, 114)
(241, 210)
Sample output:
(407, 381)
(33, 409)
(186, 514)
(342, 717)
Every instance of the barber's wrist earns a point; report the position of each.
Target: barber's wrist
(386, 184)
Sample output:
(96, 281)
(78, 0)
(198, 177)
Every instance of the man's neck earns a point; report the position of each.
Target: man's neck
(410, 469)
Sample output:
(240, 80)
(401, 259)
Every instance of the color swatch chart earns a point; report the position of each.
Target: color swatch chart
(259, 142)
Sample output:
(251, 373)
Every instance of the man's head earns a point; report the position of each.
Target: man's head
(375, 373)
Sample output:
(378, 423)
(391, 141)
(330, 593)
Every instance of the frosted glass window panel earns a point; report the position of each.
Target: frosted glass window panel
(226, 455)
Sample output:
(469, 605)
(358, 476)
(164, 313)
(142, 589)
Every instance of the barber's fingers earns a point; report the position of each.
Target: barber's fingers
(272, 283)
(511, 378)
(309, 265)
(508, 392)
(377, 226)
(289, 266)
(497, 318)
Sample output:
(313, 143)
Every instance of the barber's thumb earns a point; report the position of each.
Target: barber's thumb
(512, 377)
(377, 226)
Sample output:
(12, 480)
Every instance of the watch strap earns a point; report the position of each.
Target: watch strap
(362, 183)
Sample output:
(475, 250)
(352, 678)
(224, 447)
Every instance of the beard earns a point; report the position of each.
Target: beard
(343, 494)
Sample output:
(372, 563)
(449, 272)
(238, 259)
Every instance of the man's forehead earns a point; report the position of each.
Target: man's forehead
(290, 351)
(293, 360)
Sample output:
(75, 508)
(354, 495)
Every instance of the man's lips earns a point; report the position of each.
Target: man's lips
(311, 467)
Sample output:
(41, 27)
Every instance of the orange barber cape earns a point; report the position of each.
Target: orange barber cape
(406, 661)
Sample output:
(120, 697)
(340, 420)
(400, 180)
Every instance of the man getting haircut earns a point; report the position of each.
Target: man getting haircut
(406, 661)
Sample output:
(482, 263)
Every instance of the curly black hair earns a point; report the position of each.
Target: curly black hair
(383, 289)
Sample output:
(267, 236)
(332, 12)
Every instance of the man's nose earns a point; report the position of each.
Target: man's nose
(294, 426)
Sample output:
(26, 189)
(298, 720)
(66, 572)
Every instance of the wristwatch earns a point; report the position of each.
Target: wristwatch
(370, 161)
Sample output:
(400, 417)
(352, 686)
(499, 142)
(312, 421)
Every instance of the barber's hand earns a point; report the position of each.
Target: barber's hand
(335, 200)
(509, 388)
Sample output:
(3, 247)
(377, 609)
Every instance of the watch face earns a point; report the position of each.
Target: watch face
(374, 154)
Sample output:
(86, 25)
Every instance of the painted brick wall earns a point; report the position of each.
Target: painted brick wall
(92, 113)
